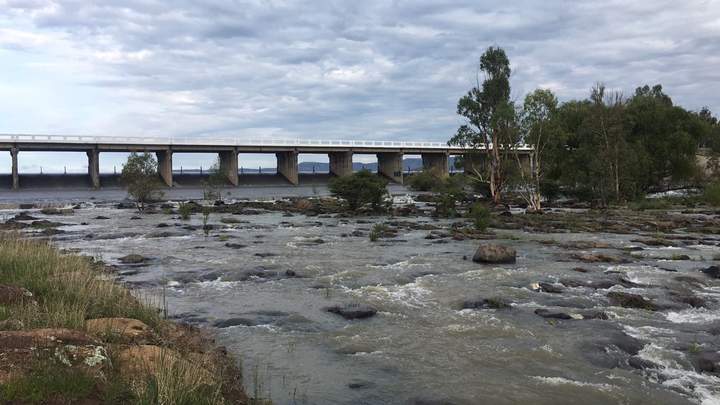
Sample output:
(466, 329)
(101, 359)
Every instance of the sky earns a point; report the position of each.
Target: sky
(387, 70)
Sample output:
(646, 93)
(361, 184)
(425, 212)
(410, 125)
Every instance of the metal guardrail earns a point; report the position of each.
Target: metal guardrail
(237, 141)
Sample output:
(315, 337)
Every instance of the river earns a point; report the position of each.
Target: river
(263, 280)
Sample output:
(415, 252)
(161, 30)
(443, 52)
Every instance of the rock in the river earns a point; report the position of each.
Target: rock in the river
(712, 271)
(24, 216)
(101, 217)
(235, 245)
(353, 311)
(491, 253)
(547, 287)
(133, 259)
(640, 363)
(486, 303)
(628, 300)
(546, 313)
(707, 362)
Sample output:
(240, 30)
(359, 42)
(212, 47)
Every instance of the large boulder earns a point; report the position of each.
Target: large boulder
(132, 259)
(712, 271)
(137, 362)
(494, 254)
(627, 300)
(123, 329)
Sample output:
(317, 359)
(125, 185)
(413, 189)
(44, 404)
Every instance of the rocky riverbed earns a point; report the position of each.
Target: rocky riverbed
(598, 307)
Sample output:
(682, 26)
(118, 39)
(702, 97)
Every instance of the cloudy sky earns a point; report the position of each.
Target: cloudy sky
(327, 69)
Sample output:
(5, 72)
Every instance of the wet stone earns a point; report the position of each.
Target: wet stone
(353, 311)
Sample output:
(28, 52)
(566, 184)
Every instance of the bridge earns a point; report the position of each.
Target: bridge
(389, 153)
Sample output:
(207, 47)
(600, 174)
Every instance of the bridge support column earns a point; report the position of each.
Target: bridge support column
(474, 162)
(341, 163)
(436, 162)
(15, 175)
(94, 167)
(164, 158)
(229, 163)
(390, 166)
(287, 166)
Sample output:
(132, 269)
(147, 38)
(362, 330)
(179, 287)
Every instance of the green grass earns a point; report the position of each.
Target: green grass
(67, 287)
(48, 382)
(711, 194)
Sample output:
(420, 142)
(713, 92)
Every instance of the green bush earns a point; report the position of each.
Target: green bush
(711, 195)
(185, 210)
(449, 191)
(426, 180)
(360, 189)
(377, 231)
(651, 204)
(140, 176)
(480, 215)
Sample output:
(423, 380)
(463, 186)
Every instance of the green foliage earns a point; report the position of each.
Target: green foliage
(48, 382)
(185, 211)
(360, 189)
(140, 176)
(491, 116)
(449, 192)
(377, 231)
(651, 204)
(66, 287)
(426, 180)
(711, 194)
(206, 219)
(217, 178)
(480, 215)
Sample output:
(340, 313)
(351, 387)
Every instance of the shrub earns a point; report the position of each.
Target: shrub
(206, 219)
(140, 176)
(651, 204)
(426, 180)
(360, 189)
(449, 191)
(185, 210)
(377, 231)
(480, 215)
(212, 187)
(711, 194)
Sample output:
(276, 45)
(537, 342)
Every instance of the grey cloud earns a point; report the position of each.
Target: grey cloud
(370, 69)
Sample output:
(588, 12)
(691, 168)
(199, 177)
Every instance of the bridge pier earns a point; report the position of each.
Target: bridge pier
(94, 167)
(15, 175)
(390, 166)
(229, 163)
(436, 162)
(474, 162)
(341, 163)
(164, 158)
(287, 166)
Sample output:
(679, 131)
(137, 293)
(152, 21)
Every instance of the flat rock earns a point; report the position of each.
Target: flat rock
(353, 311)
(712, 271)
(12, 295)
(125, 329)
(133, 259)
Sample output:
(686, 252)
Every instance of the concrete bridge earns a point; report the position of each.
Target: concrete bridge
(389, 153)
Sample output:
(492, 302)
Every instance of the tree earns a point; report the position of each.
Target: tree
(359, 189)
(140, 176)
(217, 178)
(491, 119)
(540, 129)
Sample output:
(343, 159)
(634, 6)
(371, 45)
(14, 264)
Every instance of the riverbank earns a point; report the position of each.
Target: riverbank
(69, 334)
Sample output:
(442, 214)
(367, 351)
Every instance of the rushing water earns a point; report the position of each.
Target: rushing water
(420, 346)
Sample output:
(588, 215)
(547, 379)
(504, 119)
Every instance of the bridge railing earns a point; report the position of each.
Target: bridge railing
(235, 141)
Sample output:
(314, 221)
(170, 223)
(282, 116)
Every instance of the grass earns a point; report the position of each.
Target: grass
(66, 287)
(47, 381)
(185, 211)
(70, 289)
